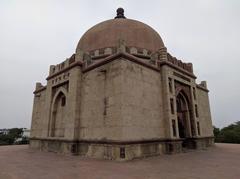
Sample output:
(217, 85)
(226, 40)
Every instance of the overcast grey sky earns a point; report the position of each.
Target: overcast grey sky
(35, 34)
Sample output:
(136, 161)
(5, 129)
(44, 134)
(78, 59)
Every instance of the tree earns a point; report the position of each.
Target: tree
(216, 132)
(15, 132)
(229, 134)
(11, 136)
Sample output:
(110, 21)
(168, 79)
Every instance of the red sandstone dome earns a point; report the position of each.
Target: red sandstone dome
(107, 34)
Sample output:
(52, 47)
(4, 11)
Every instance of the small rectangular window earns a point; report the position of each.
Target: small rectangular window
(174, 128)
(194, 93)
(196, 110)
(170, 84)
(105, 107)
(172, 105)
(198, 128)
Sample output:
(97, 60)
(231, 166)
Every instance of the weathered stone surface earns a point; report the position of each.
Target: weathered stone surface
(121, 98)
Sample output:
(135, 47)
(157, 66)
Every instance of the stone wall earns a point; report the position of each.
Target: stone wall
(68, 83)
(101, 94)
(205, 121)
(118, 110)
(142, 107)
(121, 101)
(38, 114)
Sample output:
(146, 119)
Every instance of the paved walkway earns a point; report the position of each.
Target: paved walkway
(219, 162)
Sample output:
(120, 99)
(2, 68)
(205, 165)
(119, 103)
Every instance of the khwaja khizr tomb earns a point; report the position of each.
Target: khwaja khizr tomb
(121, 96)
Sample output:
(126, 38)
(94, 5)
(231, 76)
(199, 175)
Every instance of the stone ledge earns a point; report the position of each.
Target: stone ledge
(119, 150)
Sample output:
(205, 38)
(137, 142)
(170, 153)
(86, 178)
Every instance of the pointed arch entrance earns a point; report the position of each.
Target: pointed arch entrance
(58, 114)
(183, 115)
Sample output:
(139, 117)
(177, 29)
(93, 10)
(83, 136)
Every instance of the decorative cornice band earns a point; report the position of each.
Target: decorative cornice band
(78, 63)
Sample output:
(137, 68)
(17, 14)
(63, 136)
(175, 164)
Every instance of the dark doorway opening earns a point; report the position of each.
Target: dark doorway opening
(183, 116)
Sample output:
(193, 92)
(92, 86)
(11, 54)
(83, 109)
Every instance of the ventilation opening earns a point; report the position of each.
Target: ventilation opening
(169, 148)
(122, 152)
(74, 148)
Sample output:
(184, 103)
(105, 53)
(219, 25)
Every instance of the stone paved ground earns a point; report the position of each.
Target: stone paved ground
(220, 162)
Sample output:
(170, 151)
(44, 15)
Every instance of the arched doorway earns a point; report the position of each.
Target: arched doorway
(57, 116)
(183, 115)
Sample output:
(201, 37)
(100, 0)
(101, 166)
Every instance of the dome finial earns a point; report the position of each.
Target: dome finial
(120, 13)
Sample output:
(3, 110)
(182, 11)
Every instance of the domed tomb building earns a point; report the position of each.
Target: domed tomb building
(120, 96)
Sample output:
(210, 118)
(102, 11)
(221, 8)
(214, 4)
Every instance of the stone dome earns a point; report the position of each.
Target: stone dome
(108, 33)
